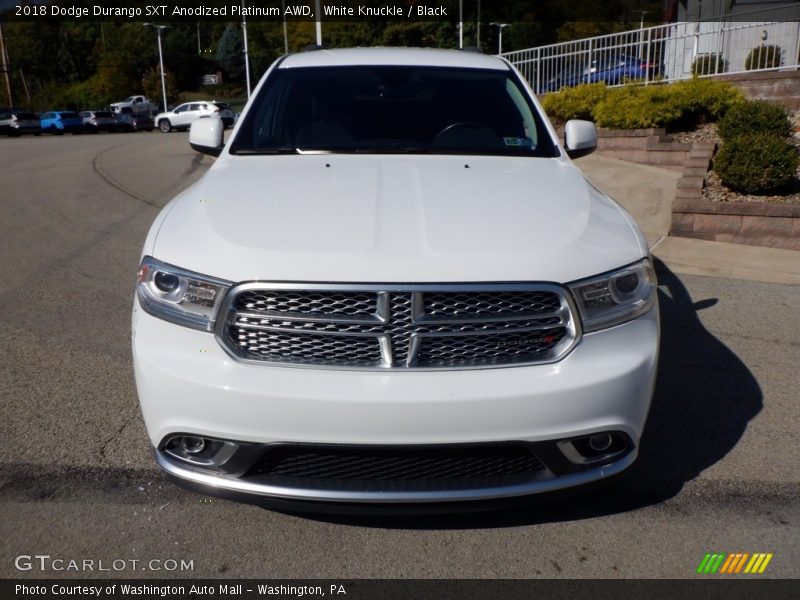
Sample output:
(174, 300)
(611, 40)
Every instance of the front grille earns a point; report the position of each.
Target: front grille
(420, 466)
(413, 327)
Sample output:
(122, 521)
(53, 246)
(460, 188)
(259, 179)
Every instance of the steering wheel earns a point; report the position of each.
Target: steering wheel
(460, 125)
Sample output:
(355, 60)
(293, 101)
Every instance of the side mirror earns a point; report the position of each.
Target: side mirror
(580, 138)
(205, 136)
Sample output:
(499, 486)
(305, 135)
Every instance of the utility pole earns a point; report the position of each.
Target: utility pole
(6, 63)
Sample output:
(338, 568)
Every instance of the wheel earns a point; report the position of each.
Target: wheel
(164, 125)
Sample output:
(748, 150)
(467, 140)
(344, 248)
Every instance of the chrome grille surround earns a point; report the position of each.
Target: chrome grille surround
(398, 326)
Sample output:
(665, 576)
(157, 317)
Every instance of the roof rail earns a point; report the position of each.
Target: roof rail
(313, 47)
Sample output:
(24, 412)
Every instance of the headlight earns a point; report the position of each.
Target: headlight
(616, 297)
(179, 296)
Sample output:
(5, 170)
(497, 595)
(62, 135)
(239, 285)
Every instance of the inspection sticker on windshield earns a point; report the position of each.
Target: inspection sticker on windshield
(518, 142)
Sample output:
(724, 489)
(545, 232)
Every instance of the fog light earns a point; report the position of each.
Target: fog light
(600, 442)
(590, 449)
(193, 445)
(199, 451)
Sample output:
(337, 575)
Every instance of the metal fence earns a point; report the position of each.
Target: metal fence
(763, 40)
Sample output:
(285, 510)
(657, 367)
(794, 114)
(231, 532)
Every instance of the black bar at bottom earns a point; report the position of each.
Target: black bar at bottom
(732, 588)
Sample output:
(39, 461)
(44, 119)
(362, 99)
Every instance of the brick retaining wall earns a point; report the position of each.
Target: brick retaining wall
(643, 146)
(782, 87)
(752, 223)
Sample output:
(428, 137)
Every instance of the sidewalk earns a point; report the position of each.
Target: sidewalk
(647, 193)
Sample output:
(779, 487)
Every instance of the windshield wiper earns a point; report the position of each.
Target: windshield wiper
(393, 150)
(272, 150)
(280, 150)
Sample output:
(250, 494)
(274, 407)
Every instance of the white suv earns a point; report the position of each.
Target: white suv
(183, 115)
(394, 286)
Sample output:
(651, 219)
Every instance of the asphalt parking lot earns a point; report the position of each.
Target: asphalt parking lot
(717, 472)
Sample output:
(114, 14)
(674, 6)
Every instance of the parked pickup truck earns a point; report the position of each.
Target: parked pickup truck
(137, 104)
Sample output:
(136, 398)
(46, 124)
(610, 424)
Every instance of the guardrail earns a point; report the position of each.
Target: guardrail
(768, 40)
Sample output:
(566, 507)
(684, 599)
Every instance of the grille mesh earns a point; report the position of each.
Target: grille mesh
(396, 464)
(426, 329)
(477, 304)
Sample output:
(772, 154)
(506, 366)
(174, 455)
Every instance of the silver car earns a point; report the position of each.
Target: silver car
(14, 123)
(98, 120)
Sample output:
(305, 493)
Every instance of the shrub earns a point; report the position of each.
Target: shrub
(705, 99)
(755, 163)
(576, 102)
(708, 64)
(754, 116)
(764, 57)
(636, 107)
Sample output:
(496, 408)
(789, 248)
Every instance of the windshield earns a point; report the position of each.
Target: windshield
(393, 110)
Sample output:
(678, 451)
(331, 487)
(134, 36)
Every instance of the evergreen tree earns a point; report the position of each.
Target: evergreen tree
(230, 54)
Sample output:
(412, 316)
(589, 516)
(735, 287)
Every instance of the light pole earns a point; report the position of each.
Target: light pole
(319, 24)
(500, 27)
(285, 33)
(478, 35)
(460, 23)
(642, 13)
(246, 56)
(159, 28)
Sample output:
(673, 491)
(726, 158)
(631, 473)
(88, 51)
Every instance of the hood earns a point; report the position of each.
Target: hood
(378, 218)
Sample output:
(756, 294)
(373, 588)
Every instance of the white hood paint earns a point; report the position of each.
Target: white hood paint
(380, 218)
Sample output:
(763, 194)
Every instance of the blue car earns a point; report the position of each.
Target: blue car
(609, 69)
(58, 122)
(616, 69)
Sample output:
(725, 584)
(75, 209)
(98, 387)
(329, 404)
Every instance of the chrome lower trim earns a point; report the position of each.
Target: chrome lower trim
(233, 484)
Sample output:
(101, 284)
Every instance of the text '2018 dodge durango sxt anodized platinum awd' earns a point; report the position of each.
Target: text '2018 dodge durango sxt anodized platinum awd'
(394, 286)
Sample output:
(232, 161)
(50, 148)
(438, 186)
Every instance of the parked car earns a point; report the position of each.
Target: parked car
(185, 114)
(394, 286)
(567, 77)
(616, 69)
(98, 120)
(59, 122)
(127, 120)
(17, 122)
(609, 69)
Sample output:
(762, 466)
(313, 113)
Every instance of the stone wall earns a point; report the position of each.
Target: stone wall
(644, 146)
(753, 223)
(782, 87)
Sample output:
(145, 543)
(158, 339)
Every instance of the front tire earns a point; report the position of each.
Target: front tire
(165, 126)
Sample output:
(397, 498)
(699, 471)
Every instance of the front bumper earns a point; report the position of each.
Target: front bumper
(188, 384)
